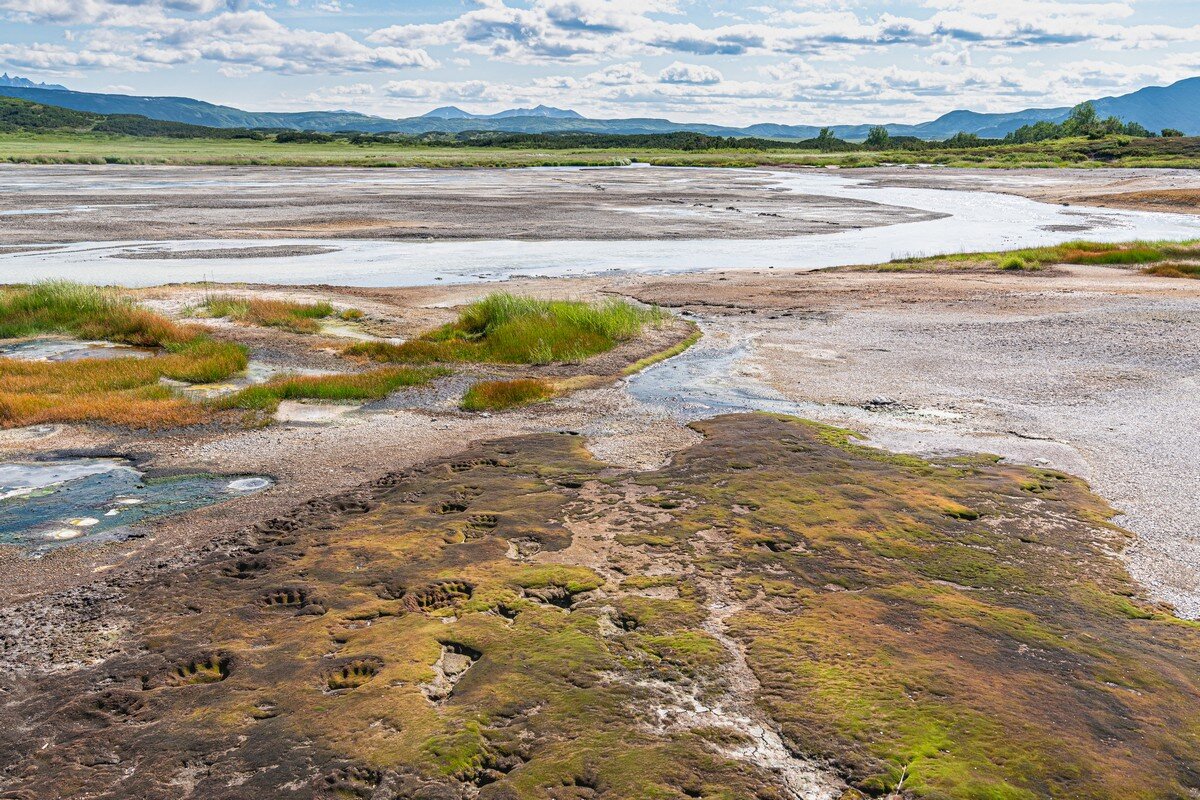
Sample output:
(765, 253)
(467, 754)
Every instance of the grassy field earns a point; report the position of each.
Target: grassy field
(507, 329)
(94, 148)
(1165, 259)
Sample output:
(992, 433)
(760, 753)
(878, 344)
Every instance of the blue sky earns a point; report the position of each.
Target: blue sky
(729, 61)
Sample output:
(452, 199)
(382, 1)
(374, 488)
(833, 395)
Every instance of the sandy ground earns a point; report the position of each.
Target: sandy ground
(54, 204)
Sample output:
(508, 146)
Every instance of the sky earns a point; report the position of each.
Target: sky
(722, 61)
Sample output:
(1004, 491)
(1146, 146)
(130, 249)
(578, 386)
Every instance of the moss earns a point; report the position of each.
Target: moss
(918, 649)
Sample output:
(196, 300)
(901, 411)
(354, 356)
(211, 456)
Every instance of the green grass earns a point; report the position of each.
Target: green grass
(374, 385)
(663, 355)
(510, 329)
(499, 395)
(121, 391)
(283, 314)
(100, 148)
(1078, 252)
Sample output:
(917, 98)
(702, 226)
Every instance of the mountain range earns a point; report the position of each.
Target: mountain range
(1157, 107)
(16, 82)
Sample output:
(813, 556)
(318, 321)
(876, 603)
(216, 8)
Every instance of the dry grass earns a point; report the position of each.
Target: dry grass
(499, 395)
(120, 391)
(283, 314)
(1174, 269)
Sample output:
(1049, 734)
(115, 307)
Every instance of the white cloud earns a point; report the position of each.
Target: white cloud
(692, 74)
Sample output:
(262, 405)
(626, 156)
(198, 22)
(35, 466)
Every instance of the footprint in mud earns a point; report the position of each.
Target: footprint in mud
(293, 598)
(244, 568)
(434, 596)
(464, 466)
(353, 674)
(449, 669)
(353, 781)
(479, 525)
(211, 668)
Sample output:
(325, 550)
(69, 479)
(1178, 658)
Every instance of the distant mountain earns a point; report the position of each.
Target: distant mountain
(16, 81)
(1175, 106)
(538, 111)
(545, 112)
(447, 112)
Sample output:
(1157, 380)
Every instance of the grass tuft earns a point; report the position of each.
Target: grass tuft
(119, 391)
(499, 395)
(1174, 269)
(374, 385)
(510, 329)
(284, 314)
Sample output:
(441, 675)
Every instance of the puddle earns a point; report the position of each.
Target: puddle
(56, 349)
(45, 504)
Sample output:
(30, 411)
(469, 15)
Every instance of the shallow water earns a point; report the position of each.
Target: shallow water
(49, 504)
(54, 349)
(976, 221)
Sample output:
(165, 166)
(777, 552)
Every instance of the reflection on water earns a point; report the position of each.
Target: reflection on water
(45, 504)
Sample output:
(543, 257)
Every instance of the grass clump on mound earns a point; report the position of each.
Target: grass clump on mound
(1036, 258)
(510, 329)
(121, 391)
(87, 312)
(1173, 269)
(284, 314)
(499, 395)
(373, 385)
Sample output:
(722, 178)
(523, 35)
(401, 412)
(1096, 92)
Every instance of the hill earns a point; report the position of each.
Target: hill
(1176, 106)
(23, 115)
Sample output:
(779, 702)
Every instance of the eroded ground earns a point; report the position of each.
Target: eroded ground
(522, 621)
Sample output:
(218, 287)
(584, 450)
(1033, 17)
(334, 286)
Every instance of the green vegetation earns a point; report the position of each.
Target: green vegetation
(509, 329)
(373, 385)
(33, 133)
(663, 355)
(285, 314)
(25, 116)
(1084, 121)
(123, 391)
(1171, 258)
(900, 623)
(499, 395)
